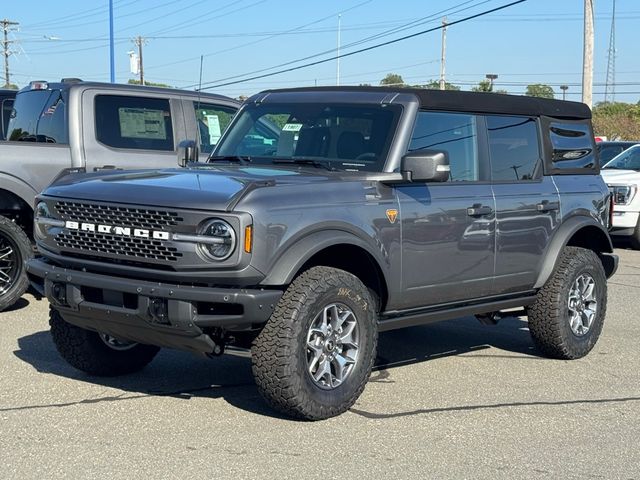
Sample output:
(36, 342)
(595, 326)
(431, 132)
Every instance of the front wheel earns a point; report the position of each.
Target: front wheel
(567, 317)
(15, 250)
(314, 356)
(98, 353)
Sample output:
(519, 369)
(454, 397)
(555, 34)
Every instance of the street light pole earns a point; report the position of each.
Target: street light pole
(338, 51)
(491, 77)
(112, 60)
(564, 89)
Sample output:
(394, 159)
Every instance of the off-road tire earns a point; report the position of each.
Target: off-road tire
(549, 316)
(85, 350)
(279, 352)
(23, 251)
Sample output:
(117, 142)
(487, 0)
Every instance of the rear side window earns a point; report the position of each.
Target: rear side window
(573, 146)
(38, 116)
(134, 122)
(453, 133)
(514, 148)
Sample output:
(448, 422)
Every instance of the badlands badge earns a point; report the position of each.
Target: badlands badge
(392, 215)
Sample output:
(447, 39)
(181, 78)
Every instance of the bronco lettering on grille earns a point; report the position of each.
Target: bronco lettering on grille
(117, 230)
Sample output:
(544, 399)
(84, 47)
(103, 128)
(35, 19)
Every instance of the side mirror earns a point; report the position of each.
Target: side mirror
(425, 166)
(187, 152)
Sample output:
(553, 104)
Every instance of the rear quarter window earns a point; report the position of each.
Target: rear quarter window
(572, 147)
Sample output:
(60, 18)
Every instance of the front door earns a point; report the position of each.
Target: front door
(448, 228)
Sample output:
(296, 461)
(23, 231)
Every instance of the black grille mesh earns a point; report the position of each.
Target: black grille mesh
(142, 248)
(116, 215)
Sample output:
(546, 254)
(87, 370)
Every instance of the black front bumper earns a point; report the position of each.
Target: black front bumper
(173, 316)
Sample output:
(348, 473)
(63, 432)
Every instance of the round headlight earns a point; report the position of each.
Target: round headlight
(223, 239)
(42, 211)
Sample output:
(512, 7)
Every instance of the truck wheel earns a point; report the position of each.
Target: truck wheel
(566, 319)
(314, 356)
(98, 353)
(15, 250)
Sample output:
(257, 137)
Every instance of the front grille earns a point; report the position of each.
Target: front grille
(131, 247)
(117, 215)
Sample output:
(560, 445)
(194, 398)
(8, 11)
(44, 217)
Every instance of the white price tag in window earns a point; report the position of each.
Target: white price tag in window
(292, 127)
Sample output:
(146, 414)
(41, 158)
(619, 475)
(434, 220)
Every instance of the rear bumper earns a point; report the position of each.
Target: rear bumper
(163, 314)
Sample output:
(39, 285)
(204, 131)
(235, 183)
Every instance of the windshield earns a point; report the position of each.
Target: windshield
(627, 160)
(336, 136)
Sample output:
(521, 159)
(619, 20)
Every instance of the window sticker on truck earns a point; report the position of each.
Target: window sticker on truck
(142, 123)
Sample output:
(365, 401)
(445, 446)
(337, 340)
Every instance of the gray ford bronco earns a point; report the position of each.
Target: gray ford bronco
(323, 217)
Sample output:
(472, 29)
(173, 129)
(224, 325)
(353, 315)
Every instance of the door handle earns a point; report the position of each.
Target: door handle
(478, 210)
(547, 206)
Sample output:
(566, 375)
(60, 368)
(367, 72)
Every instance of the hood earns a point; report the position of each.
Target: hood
(620, 176)
(211, 188)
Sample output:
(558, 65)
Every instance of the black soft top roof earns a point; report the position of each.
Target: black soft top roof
(477, 102)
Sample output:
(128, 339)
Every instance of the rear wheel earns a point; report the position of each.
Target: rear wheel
(98, 353)
(15, 250)
(568, 315)
(314, 356)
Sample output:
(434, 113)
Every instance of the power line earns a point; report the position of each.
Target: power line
(366, 49)
(386, 33)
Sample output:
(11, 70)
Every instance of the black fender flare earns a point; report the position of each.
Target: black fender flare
(562, 237)
(283, 270)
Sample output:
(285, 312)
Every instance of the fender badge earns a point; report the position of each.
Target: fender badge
(392, 215)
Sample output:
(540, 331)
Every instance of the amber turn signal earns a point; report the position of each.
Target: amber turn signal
(248, 238)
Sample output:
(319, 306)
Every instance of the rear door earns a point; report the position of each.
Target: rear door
(528, 204)
(448, 228)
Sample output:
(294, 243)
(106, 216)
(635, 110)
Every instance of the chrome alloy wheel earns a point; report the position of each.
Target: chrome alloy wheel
(115, 343)
(583, 305)
(332, 346)
(9, 257)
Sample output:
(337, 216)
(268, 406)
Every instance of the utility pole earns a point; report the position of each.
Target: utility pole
(140, 41)
(338, 51)
(491, 77)
(587, 54)
(443, 56)
(6, 27)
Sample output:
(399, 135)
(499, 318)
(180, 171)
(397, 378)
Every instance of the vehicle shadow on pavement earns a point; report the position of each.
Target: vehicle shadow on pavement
(19, 305)
(185, 376)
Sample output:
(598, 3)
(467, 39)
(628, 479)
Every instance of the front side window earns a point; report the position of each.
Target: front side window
(454, 133)
(7, 108)
(212, 120)
(513, 147)
(573, 146)
(340, 136)
(38, 116)
(134, 122)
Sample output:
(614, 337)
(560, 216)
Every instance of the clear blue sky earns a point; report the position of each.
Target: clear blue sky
(539, 41)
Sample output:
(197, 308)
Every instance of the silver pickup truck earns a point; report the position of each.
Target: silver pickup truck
(55, 127)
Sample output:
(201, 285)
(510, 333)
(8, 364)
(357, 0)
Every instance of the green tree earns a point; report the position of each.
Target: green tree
(435, 85)
(133, 81)
(11, 86)
(617, 120)
(393, 79)
(485, 86)
(540, 90)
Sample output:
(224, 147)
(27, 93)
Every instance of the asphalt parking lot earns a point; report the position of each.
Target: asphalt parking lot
(455, 399)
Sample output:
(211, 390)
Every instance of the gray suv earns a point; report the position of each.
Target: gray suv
(325, 216)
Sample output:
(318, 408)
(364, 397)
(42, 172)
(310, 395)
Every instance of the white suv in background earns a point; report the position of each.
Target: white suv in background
(622, 174)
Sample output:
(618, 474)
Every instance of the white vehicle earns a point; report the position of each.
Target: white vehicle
(622, 174)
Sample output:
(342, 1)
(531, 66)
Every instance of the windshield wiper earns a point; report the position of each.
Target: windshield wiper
(304, 161)
(229, 158)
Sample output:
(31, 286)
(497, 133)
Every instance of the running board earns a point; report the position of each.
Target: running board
(409, 318)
